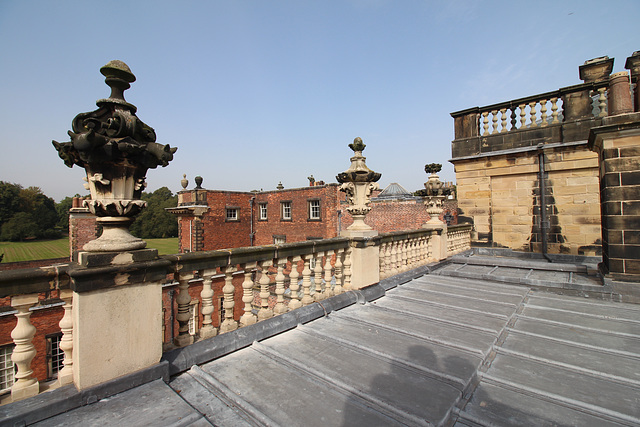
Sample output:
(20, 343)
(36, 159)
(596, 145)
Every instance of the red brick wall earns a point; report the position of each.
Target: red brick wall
(300, 227)
(82, 229)
(398, 215)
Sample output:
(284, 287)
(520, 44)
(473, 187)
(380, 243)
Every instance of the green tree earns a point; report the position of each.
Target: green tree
(21, 226)
(38, 212)
(154, 221)
(9, 200)
(63, 208)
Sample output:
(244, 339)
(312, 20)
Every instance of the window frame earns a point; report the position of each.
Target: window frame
(279, 239)
(8, 368)
(236, 217)
(284, 205)
(311, 205)
(55, 355)
(263, 207)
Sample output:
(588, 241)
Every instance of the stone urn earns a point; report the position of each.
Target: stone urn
(358, 182)
(116, 149)
(434, 199)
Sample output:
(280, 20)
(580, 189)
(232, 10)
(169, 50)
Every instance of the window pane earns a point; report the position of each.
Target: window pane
(6, 367)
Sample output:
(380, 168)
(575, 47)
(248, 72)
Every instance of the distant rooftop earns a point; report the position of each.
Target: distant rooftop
(394, 191)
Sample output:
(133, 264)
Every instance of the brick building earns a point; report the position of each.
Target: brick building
(218, 219)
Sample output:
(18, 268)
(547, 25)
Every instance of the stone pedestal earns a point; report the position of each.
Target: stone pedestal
(617, 143)
(117, 314)
(438, 240)
(365, 258)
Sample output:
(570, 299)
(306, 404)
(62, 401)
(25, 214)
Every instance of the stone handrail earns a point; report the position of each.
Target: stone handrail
(541, 110)
(275, 279)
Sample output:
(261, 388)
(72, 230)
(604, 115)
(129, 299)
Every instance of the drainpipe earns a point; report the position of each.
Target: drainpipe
(544, 223)
(251, 235)
(339, 222)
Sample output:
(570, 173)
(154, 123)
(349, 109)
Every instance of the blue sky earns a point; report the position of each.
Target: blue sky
(254, 92)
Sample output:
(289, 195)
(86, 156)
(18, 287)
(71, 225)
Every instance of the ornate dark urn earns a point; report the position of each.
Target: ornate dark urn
(358, 182)
(116, 149)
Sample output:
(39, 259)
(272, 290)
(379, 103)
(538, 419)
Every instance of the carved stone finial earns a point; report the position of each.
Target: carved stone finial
(116, 149)
(358, 182)
(280, 186)
(357, 145)
(184, 181)
(198, 180)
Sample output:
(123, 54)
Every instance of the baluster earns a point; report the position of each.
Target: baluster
(265, 312)
(347, 270)
(25, 385)
(523, 115)
(381, 262)
(503, 116)
(338, 266)
(306, 281)
(387, 259)
(602, 101)
(280, 307)
(404, 259)
(317, 278)
(485, 121)
(248, 318)
(494, 122)
(327, 274)
(411, 255)
(228, 324)
(393, 259)
(65, 375)
(513, 118)
(532, 114)
(184, 301)
(543, 112)
(554, 111)
(206, 295)
(293, 284)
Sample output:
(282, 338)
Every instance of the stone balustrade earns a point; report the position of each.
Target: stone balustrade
(540, 116)
(275, 280)
(458, 238)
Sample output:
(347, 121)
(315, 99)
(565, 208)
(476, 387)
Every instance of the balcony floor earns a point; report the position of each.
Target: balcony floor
(437, 350)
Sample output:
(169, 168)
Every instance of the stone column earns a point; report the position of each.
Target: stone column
(619, 100)
(633, 64)
(617, 143)
(358, 182)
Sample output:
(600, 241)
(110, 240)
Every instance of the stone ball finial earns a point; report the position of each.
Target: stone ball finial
(198, 180)
(118, 69)
(357, 145)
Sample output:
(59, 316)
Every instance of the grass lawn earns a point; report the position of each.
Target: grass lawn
(45, 249)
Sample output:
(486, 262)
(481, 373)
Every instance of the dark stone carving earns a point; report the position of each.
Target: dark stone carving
(116, 149)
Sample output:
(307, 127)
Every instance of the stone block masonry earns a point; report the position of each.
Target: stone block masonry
(617, 143)
(501, 194)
